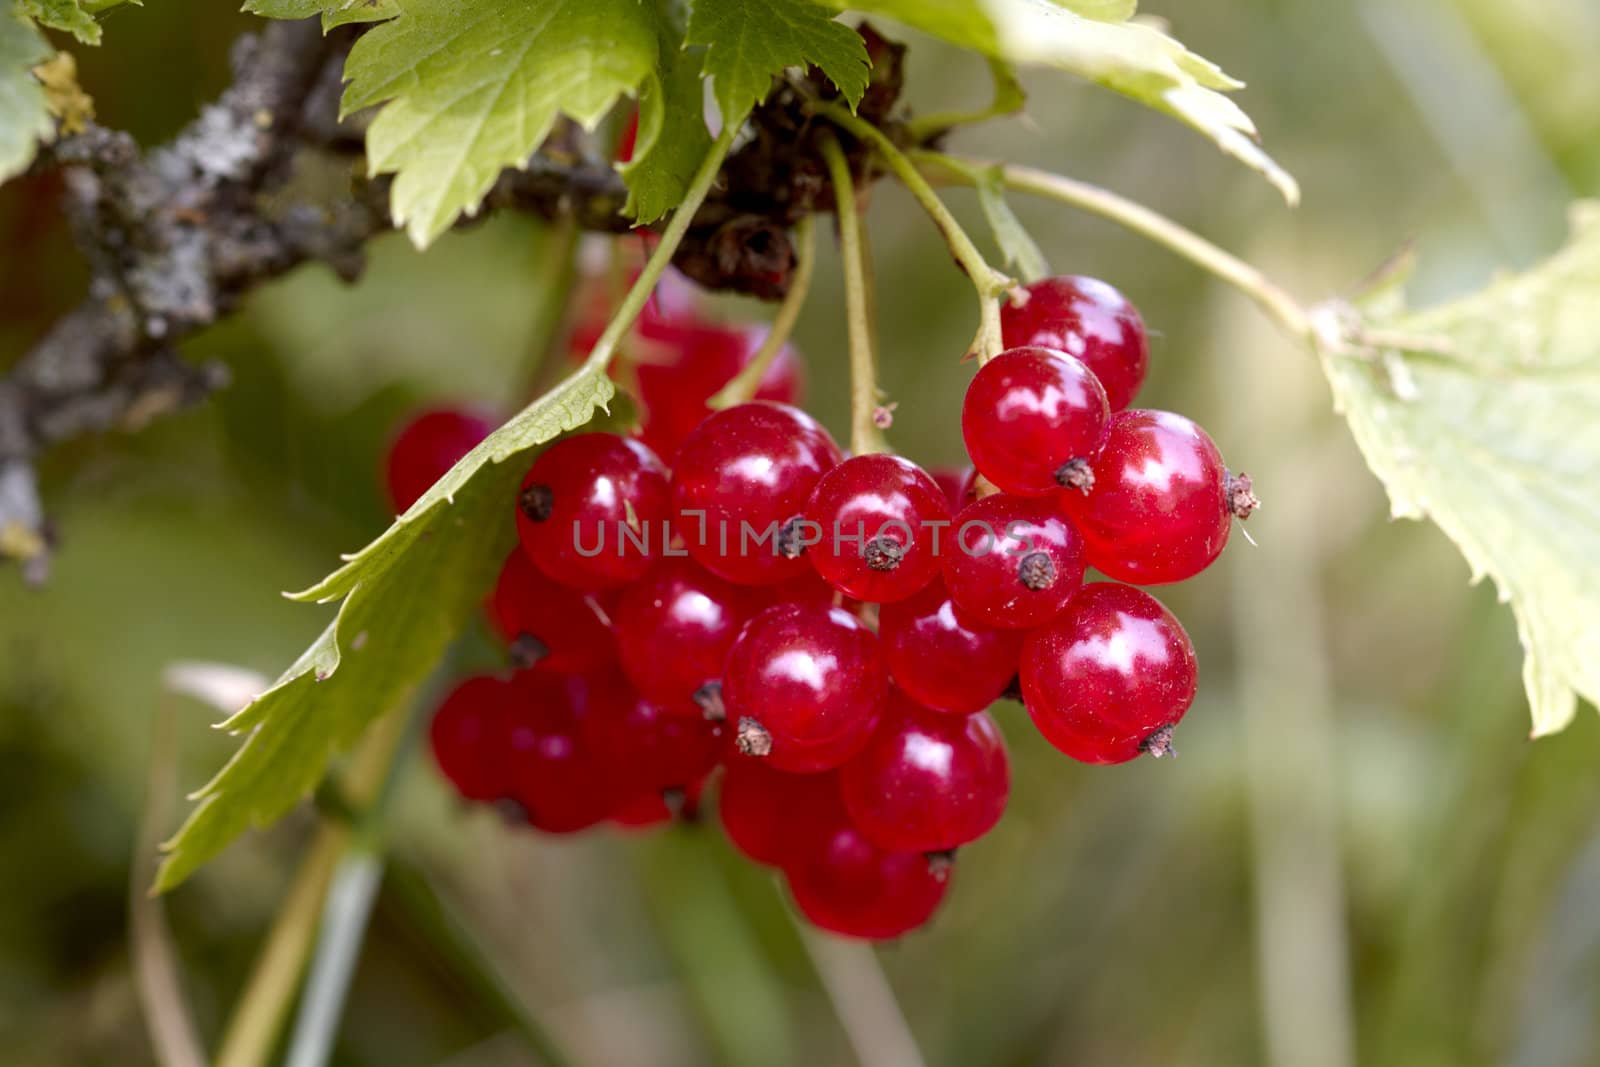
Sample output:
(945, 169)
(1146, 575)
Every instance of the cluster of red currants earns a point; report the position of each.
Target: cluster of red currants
(727, 589)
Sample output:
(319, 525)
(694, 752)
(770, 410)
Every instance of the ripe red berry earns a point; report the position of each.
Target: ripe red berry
(1090, 320)
(740, 486)
(547, 623)
(1014, 562)
(776, 818)
(804, 686)
(593, 510)
(647, 747)
(428, 446)
(927, 782)
(882, 520)
(1158, 511)
(675, 626)
(960, 485)
(561, 784)
(1110, 677)
(645, 810)
(1034, 420)
(941, 657)
(684, 360)
(852, 887)
(468, 736)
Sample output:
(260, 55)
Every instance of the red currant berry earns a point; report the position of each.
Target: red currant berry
(927, 782)
(852, 887)
(941, 657)
(593, 510)
(674, 628)
(684, 361)
(646, 810)
(881, 518)
(777, 818)
(546, 623)
(1089, 319)
(1158, 511)
(427, 447)
(740, 486)
(1034, 420)
(647, 747)
(560, 783)
(1014, 561)
(960, 485)
(468, 736)
(804, 686)
(1110, 677)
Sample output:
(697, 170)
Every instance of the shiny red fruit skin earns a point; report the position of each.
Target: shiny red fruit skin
(753, 465)
(941, 657)
(1089, 319)
(560, 782)
(645, 746)
(426, 447)
(685, 360)
(883, 524)
(1014, 561)
(675, 626)
(776, 818)
(531, 612)
(960, 485)
(1108, 672)
(1029, 413)
(468, 736)
(927, 782)
(853, 888)
(601, 492)
(813, 678)
(1158, 511)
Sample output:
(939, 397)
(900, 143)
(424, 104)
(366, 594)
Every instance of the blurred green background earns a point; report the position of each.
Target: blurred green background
(1360, 857)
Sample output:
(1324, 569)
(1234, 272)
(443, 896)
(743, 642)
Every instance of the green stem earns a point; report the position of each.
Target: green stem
(253, 1029)
(1272, 298)
(747, 382)
(989, 283)
(632, 304)
(865, 437)
(447, 934)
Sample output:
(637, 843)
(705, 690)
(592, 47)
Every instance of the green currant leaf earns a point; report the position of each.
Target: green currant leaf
(405, 597)
(1498, 442)
(24, 118)
(472, 88)
(1016, 243)
(1130, 58)
(673, 137)
(749, 41)
(333, 12)
(64, 15)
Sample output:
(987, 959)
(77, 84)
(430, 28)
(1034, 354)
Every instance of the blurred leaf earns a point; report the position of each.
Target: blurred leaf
(1103, 10)
(1016, 243)
(406, 595)
(474, 88)
(672, 137)
(749, 41)
(1130, 58)
(65, 15)
(1498, 442)
(63, 96)
(24, 119)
